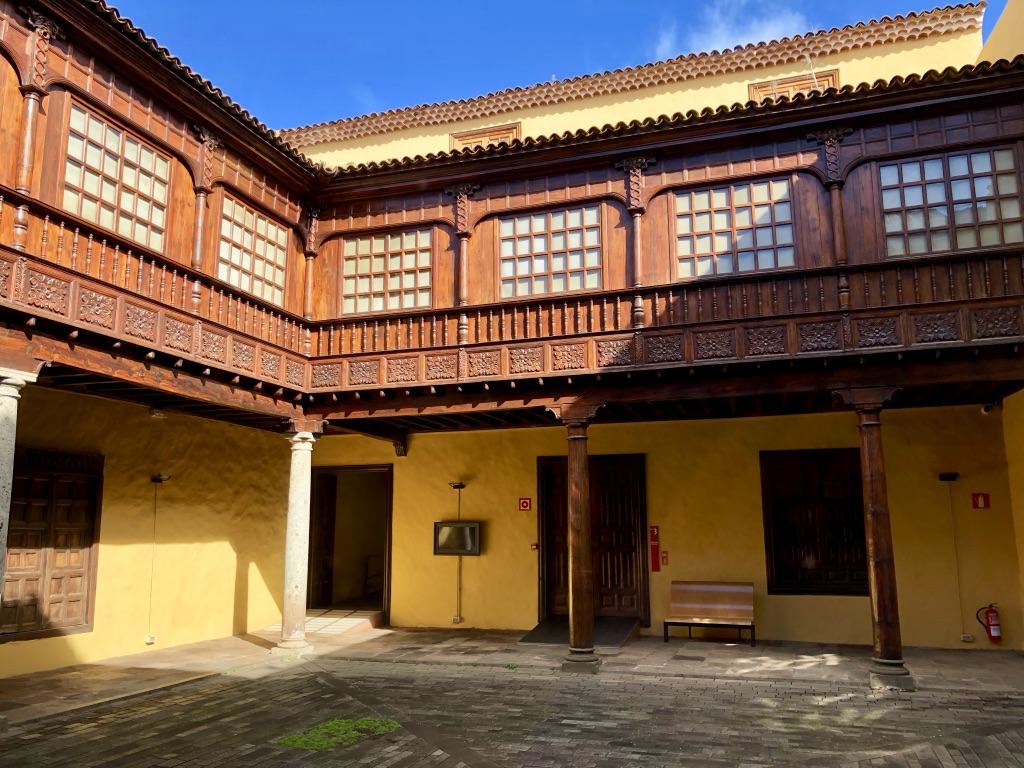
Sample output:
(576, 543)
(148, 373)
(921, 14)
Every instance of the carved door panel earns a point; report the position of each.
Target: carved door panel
(54, 514)
(323, 522)
(617, 523)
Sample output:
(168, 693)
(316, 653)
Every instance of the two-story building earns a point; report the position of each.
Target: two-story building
(750, 316)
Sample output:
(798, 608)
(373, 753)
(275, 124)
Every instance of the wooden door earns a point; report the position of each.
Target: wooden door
(618, 519)
(322, 524)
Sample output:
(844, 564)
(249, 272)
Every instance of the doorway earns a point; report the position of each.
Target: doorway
(618, 521)
(350, 538)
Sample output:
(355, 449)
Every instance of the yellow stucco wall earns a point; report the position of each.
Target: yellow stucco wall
(219, 528)
(1007, 37)
(703, 490)
(1013, 425)
(857, 66)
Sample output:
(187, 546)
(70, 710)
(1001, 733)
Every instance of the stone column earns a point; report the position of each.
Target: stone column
(581, 565)
(296, 548)
(887, 669)
(11, 383)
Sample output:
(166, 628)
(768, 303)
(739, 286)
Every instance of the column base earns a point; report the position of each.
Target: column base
(581, 660)
(297, 648)
(890, 675)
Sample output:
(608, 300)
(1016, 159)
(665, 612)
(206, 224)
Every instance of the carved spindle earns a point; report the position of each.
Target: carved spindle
(743, 296)
(444, 330)
(152, 278)
(220, 305)
(576, 320)
(501, 325)
(618, 315)
(163, 281)
(46, 234)
(952, 281)
(935, 286)
(74, 250)
(970, 279)
(263, 321)
(181, 295)
(988, 284)
(760, 300)
(245, 315)
(671, 307)
(604, 314)
(60, 241)
(527, 324)
(113, 265)
(174, 285)
(490, 325)
(867, 288)
(775, 298)
(656, 310)
(127, 269)
(376, 334)
(917, 286)
(700, 305)
(789, 295)
(1006, 277)
(728, 302)
(565, 318)
(423, 332)
(479, 322)
(139, 276)
(515, 323)
(881, 286)
(821, 293)
(714, 302)
(899, 286)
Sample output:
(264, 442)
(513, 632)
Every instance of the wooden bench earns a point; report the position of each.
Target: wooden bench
(712, 604)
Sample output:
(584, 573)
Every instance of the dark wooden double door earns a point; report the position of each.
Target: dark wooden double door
(618, 521)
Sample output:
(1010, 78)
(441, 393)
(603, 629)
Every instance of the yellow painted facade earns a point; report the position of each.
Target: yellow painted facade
(1007, 38)
(1013, 426)
(864, 65)
(704, 491)
(218, 557)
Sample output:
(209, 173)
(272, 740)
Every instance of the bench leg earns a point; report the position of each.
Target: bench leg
(666, 631)
(753, 637)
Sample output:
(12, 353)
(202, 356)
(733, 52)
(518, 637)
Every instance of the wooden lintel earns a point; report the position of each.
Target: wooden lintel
(398, 437)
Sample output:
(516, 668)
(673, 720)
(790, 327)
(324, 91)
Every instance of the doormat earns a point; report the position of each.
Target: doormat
(609, 631)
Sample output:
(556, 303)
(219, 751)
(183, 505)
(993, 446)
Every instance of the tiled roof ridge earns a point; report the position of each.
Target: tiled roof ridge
(950, 18)
(126, 27)
(692, 117)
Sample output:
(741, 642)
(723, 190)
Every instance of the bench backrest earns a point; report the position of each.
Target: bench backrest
(713, 599)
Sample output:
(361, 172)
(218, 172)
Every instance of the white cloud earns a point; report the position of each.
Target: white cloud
(722, 25)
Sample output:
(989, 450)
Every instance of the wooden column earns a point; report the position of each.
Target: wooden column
(462, 193)
(11, 383)
(208, 144)
(311, 251)
(581, 658)
(887, 670)
(635, 167)
(32, 92)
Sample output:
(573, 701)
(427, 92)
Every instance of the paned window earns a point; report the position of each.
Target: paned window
(115, 180)
(968, 200)
(550, 252)
(739, 228)
(49, 583)
(253, 252)
(814, 522)
(386, 272)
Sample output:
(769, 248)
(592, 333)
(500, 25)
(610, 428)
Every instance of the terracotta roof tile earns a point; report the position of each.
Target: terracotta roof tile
(707, 115)
(966, 17)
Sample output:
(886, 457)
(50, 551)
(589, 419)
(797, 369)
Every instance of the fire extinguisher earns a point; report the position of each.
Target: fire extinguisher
(990, 622)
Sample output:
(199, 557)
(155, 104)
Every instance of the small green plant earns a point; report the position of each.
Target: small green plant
(330, 734)
(510, 665)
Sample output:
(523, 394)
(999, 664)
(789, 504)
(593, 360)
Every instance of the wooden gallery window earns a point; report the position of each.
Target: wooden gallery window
(253, 252)
(51, 556)
(387, 271)
(936, 204)
(740, 228)
(115, 180)
(550, 252)
(814, 522)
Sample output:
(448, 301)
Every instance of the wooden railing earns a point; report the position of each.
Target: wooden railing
(74, 244)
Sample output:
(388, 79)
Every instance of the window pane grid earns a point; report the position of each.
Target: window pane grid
(390, 272)
(253, 252)
(115, 181)
(966, 200)
(739, 228)
(550, 252)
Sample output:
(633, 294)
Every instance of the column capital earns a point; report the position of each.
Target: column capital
(312, 426)
(302, 441)
(575, 414)
(867, 399)
(13, 378)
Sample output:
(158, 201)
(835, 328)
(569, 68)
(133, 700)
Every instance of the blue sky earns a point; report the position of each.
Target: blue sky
(311, 61)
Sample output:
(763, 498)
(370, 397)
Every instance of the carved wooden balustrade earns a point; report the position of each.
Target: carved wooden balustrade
(97, 282)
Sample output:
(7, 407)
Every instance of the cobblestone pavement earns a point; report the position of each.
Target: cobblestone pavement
(484, 716)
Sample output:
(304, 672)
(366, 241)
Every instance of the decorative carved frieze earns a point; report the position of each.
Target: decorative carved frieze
(993, 323)
(766, 341)
(401, 369)
(96, 308)
(462, 193)
(295, 373)
(243, 355)
(566, 357)
(327, 375)
(879, 332)
(634, 168)
(664, 349)
(714, 344)
(270, 365)
(213, 346)
(5, 279)
(616, 352)
(528, 360)
(363, 372)
(942, 326)
(139, 322)
(442, 366)
(46, 292)
(484, 363)
(816, 337)
(178, 335)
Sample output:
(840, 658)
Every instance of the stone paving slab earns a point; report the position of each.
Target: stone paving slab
(482, 715)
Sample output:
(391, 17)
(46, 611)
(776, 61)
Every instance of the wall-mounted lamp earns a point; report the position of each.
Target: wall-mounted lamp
(458, 486)
(159, 478)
